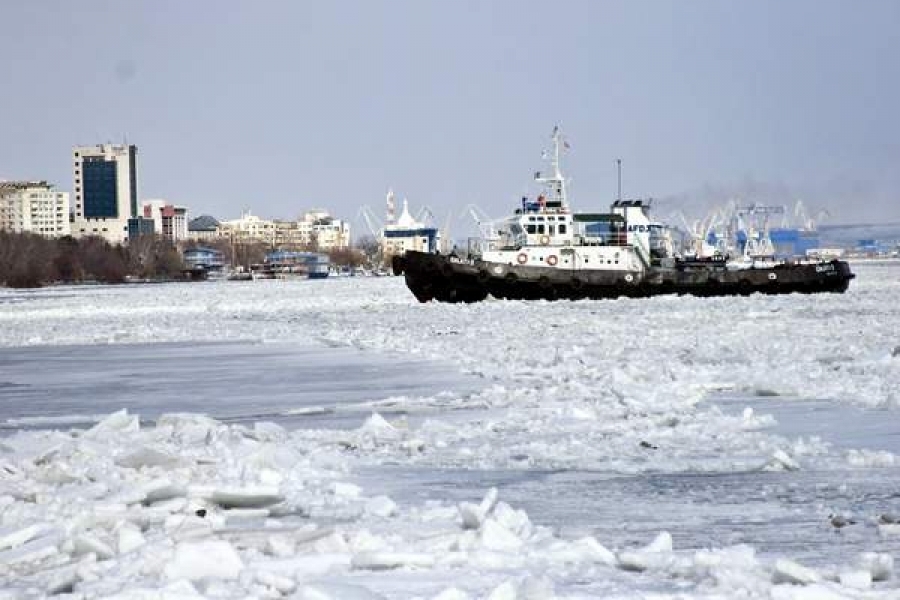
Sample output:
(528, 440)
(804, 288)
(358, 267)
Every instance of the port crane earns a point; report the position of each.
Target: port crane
(373, 223)
(481, 219)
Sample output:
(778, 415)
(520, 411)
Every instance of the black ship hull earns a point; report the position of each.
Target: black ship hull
(448, 279)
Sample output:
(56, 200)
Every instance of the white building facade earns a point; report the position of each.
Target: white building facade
(316, 230)
(249, 228)
(319, 229)
(33, 206)
(105, 190)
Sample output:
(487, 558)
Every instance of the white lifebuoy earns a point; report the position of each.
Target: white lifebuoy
(545, 239)
(551, 260)
(522, 258)
(629, 277)
(773, 276)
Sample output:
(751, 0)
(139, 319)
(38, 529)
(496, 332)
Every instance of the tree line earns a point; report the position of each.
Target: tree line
(28, 260)
(246, 254)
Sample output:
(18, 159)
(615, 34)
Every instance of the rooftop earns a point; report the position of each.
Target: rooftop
(7, 186)
(203, 223)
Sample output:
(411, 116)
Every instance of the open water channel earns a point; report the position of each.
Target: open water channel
(302, 386)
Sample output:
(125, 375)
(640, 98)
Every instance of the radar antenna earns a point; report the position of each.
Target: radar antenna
(554, 182)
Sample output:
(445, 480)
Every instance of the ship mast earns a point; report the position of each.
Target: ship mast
(555, 182)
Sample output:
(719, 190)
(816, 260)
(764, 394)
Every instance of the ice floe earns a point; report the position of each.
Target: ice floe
(188, 506)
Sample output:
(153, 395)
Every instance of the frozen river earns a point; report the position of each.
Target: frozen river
(725, 431)
(230, 381)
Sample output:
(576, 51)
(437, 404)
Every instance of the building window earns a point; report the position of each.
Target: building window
(100, 182)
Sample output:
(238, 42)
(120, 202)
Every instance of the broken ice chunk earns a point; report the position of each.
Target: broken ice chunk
(241, 497)
(788, 571)
(209, 558)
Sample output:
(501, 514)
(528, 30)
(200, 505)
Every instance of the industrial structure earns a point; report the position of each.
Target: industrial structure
(756, 230)
(400, 234)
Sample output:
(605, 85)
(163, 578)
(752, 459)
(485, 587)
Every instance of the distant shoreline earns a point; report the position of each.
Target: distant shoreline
(872, 259)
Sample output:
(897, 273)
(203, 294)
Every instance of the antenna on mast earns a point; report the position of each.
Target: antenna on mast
(555, 158)
(619, 177)
(555, 182)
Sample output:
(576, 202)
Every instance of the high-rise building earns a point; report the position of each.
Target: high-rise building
(169, 221)
(105, 177)
(33, 206)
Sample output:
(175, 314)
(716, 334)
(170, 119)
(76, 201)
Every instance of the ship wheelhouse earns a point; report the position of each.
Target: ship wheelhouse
(544, 232)
(546, 228)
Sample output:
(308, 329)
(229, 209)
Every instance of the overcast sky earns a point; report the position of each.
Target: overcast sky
(283, 106)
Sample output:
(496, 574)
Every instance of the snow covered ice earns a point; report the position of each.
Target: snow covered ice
(336, 439)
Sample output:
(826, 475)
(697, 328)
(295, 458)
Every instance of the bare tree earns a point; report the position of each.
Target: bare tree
(370, 249)
(67, 262)
(153, 256)
(347, 257)
(26, 260)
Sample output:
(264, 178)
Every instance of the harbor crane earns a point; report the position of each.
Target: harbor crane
(484, 223)
(373, 223)
(806, 220)
(425, 213)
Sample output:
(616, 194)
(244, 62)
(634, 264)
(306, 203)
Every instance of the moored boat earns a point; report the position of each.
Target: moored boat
(546, 251)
